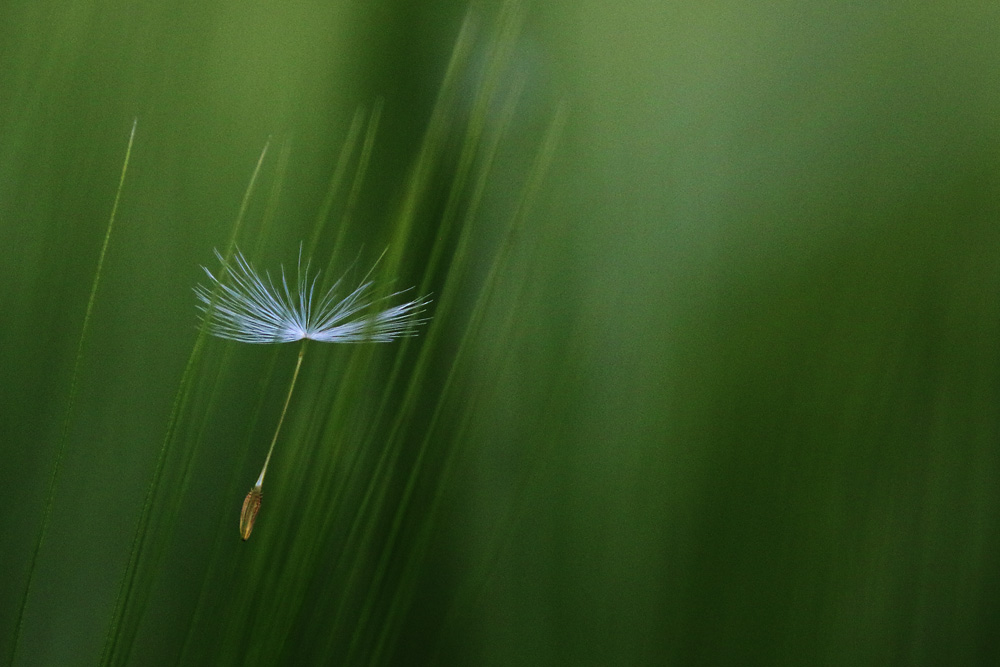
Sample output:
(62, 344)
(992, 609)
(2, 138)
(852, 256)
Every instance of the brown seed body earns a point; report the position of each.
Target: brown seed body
(251, 505)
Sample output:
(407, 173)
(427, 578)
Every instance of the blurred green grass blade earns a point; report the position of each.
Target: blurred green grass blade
(337, 181)
(492, 282)
(473, 153)
(501, 47)
(433, 143)
(216, 574)
(274, 196)
(70, 401)
(127, 594)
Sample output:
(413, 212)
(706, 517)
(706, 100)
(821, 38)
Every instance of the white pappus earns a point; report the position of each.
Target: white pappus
(254, 310)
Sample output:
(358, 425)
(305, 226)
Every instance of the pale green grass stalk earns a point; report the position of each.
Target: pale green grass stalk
(474, 153)
(502, 44)
(269, 583)
(274, 196)
(431, 148)
(371, 502)
(469, 155)
(71, 400)
(216, 572)
(401, 595)
(240, 615)
(126, 592)
(219, 572)
(249, 312)
(347, 216)
(356, 547)
(171, 505)
(359, 362)
(335, 185)
(254, 310)
(480, 150)
(312, 484)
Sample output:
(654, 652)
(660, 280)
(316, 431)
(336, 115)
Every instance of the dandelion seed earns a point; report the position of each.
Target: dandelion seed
(254, 310)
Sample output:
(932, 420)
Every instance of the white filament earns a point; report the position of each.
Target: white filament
(252, 309)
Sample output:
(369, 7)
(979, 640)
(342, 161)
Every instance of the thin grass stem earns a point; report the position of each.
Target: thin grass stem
(336, 179)
(73, 386)
(215, 573)
(125, 590)
(538, 171)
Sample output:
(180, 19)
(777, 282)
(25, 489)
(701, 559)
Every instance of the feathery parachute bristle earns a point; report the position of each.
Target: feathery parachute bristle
(252, 309)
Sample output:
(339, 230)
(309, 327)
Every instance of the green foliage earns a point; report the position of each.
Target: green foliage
(711, 373)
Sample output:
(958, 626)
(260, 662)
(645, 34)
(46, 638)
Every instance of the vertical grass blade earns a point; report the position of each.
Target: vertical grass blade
(113, 641)
(67, 416)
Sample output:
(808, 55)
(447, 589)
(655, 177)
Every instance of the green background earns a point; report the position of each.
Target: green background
(712, 375)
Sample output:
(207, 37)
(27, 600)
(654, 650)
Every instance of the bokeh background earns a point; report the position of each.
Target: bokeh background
(712, 375)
